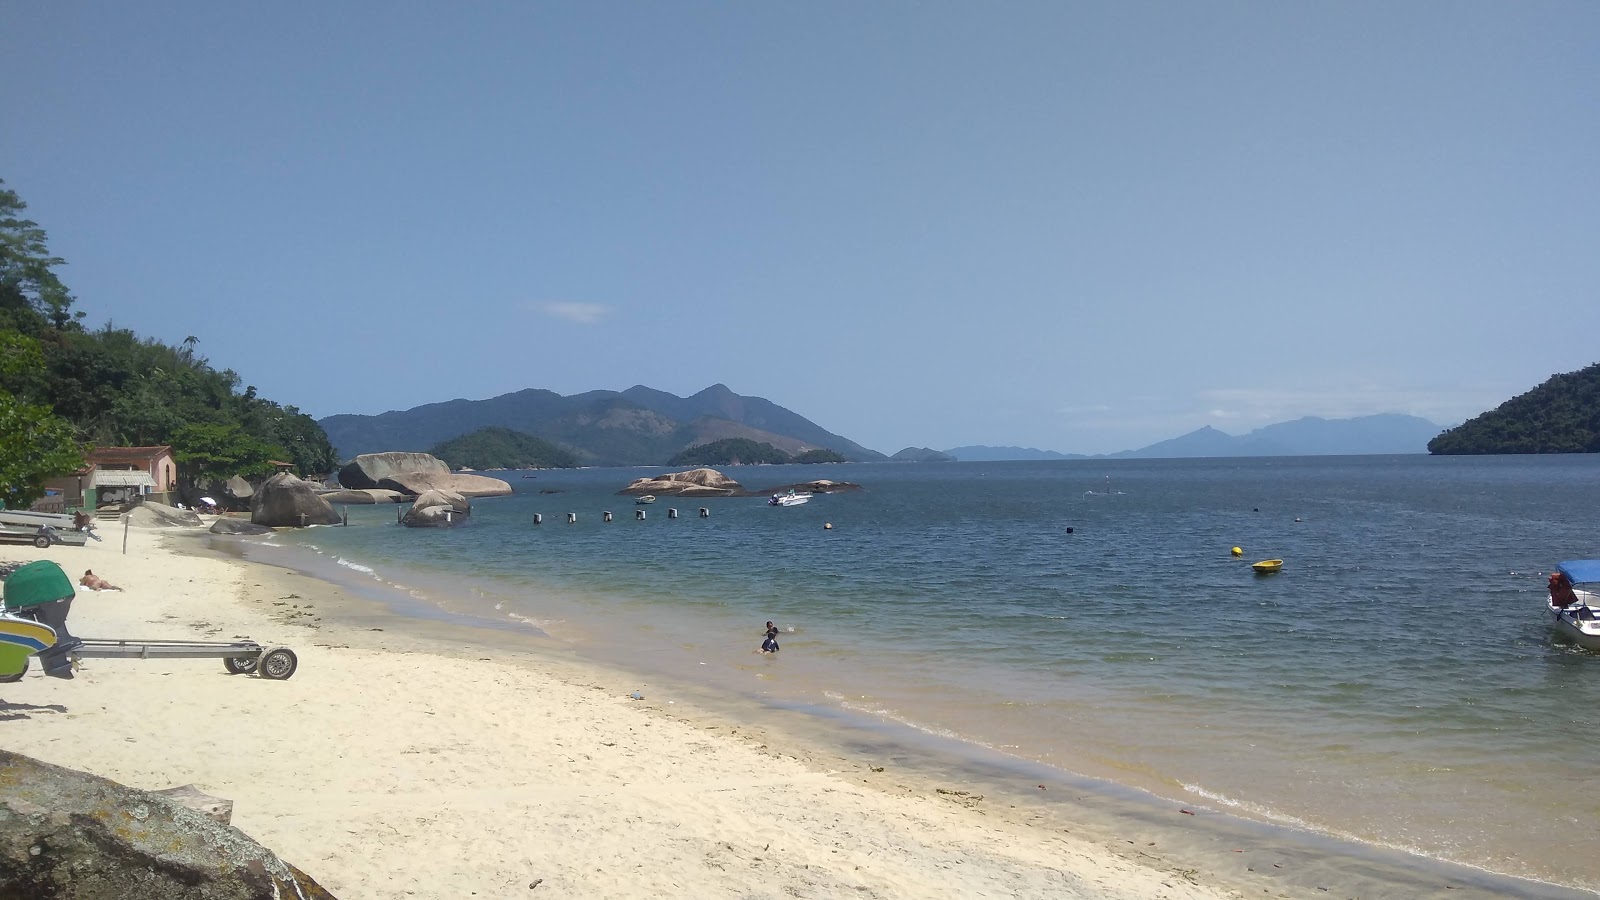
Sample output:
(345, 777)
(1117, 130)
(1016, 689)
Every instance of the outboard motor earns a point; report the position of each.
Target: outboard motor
(41, 591)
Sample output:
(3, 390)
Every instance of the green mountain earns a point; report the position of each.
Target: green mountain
(502, 448)
(639, 426)
(1560, 416)
(730, 452)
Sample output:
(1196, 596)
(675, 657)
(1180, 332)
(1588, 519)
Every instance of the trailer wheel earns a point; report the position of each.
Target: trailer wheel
(240, 665)
(13, 679)
(278, 663)
(41, 542)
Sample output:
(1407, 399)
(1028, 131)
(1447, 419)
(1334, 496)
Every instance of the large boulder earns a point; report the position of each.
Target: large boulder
(693, 483)
(239, 489)
(368, 469)
(419, 483)
(237, 526)
(285, 501)
(371, 496)
(68, 834)
(437, 509)
(159, 515)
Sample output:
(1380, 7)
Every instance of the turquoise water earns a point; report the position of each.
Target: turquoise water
(1396, 683)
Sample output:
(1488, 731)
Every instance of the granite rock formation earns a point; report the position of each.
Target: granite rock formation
(69, 834)
(692, 483)
(238, 526)
(437, 509)
(285, 501)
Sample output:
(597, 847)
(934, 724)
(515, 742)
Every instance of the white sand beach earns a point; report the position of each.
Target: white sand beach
(392, 765)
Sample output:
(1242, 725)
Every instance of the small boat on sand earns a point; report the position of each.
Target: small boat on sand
(1574, 601)
(20, 639)
(1267, 566)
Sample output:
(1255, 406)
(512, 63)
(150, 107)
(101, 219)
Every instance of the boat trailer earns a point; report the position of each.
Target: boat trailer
(42, 592)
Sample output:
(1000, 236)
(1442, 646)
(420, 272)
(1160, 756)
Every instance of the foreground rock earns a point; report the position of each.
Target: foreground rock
(285, 501)
(368, 469)
(418, 483)
(437, 509)
(238, 526)
(69, 834)
(157, 515)
(693, 483)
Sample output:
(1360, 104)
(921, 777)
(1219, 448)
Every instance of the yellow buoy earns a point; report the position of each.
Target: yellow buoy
(1238, 551)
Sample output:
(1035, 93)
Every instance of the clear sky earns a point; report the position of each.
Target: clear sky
(1076, 226)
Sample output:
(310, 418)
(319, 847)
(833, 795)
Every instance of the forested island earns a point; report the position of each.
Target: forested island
(503, 448)
(1560, 416)
(745, 452)
(65, 388)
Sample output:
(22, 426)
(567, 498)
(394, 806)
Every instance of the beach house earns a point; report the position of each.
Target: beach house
(113, 476)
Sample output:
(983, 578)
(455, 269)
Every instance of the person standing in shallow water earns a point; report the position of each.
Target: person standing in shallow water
(770, 645)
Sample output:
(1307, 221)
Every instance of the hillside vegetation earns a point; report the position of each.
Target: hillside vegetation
(502, 448)
(1560, 416)
(65, 389)
(745, 452)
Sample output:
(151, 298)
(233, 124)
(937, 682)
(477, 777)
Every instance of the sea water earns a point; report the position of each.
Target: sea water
(1396, 683)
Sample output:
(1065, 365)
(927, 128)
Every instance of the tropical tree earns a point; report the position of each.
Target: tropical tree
(35, 444)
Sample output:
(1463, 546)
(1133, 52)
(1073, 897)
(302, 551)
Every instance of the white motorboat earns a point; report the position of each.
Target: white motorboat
(1574, 601)
(23, 518)
(789, 499)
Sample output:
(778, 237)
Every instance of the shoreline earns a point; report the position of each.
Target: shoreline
(787, 766)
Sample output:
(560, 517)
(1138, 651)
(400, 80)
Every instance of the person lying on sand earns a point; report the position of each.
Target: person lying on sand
(95, 583)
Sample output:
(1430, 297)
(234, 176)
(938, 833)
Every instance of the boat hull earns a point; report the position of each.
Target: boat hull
(1570, 624)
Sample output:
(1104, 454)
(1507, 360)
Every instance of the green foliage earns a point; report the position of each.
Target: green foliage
(217, 451)
(118, 389)
(820, 455)
(729, 452)
(34, 445)
(30, 293)
(1560, 416)
(502, 448)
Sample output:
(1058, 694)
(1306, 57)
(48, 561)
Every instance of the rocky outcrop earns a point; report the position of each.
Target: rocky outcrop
(418, 483)
(373, 495)
(286, 501)
(368, 469)
(693, 483)
(157, 515)
(437, 509)
(414, 474)
(238, 489)
(822, 486)
(69, 834)
(238, 526)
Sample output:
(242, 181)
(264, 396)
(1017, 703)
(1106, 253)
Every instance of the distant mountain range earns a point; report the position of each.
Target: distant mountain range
(638, 426)
(981, 453)
(1309, 436)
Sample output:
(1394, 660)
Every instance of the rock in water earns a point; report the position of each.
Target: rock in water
(286, 501)
(693, 483)
(238, 526)
(437, 509)
(366, 470)
(69, 835)
(418, 483)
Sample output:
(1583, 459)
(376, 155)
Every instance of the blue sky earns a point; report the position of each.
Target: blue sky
(1084, 227)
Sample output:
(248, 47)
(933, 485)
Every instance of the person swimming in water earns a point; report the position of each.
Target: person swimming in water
(770, 645)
